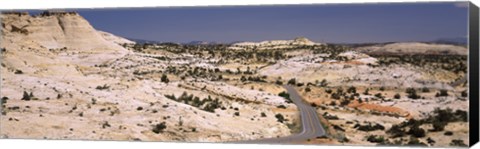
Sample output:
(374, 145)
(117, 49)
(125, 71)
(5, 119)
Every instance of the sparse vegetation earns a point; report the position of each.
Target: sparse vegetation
(459, 143)
(230, 82)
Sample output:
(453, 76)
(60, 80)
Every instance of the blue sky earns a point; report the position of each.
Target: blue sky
(334, 23)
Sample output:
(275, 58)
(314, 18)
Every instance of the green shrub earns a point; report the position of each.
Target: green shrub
(416, 131)
(396, 96)
(442, 93)
(425, 90)
(164, 78)
(286, 96)
(375, 139)
(158, 128)
(263, 114)
(458, 143)
(464, 93)
(27, 96)
(292, 81)
(307, 89)
(280, 118)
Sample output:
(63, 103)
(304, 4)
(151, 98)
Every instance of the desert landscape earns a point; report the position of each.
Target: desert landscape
(63, 79)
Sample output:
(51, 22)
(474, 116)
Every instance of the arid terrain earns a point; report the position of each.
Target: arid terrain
(63, 79)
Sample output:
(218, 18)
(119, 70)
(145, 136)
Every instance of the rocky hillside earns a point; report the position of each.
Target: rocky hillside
(115, 39)
(63, 79)
(57, 31)
(53, 30)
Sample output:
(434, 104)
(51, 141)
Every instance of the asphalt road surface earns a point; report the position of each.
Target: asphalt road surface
(311, 126)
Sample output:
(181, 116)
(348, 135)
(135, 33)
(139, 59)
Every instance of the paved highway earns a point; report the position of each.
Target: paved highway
(311, 126)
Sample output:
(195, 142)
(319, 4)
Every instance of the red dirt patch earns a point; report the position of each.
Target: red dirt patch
(379, 108)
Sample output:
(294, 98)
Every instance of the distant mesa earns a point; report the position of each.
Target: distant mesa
(202, 43)
(44, 13)
(143, 41)
(302, 40)
(15, 13)
(296, 41)
(455, 41)
(57, 13)
(413, 48)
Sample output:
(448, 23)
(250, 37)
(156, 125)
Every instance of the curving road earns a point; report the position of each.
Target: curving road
(311, 126)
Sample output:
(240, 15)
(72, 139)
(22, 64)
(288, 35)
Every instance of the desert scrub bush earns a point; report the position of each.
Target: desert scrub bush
(281, 106)
(328, 116)
(458, 143)
(416, 131)
(366, 92)
(164, 78)
(448, 133)
(207, 104)
(344, 102)
(279, 82)
(425, 90)
(359, 100)
(4, 101)
(105, 125)
(464, 93)
(397, 96)
(438, 125)
(412, 93)
(337, 95)
(396, 131)
(104, 87)
(369, 127)
(442, 93)
(26, 96)
(323, 83)
(415, 142)
(352, 89)
(18, 72)
(172, 97)
(379, 95)
(243, 79)
(307, 89)
(292, 81)
(280, 117)
(158, 128)
(300, 84)
(286, 96)
(328, 91)
(375, 139)
(263, 114)
(430, 141)
(448, 115)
